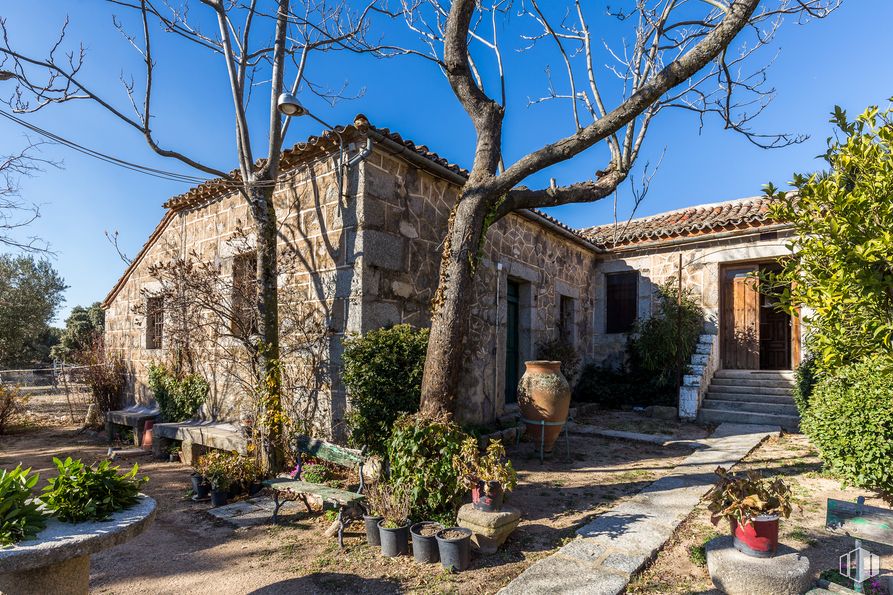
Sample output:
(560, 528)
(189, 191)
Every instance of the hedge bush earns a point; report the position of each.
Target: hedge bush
(383, 375)
(850, 421)
(806, 376)
(20, 514)
(179, 397)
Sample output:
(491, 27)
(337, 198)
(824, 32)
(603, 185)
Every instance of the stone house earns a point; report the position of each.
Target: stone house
(366, 244)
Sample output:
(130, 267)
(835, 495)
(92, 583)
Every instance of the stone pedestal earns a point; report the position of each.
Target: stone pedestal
(57, 561)
(735, 573)
(490, 528)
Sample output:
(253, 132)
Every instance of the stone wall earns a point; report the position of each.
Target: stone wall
(403, 221)
(318, 246)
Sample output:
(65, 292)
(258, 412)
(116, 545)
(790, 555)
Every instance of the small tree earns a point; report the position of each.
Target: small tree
(841, 269)
(82, 327)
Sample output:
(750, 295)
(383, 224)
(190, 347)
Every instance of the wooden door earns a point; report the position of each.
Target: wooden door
(740, 318)
(512, 341)
(775, 334)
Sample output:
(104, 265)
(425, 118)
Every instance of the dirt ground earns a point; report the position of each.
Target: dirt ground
(680, 566)
(187, 551)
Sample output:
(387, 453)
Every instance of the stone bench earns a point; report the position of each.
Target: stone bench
(195, 437)
(133, 417)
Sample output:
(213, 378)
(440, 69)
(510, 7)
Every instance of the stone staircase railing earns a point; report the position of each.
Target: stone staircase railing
(704, 363)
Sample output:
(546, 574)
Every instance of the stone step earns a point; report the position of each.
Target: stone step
(752, 407)
(752, 382)
(763, 390)
(790, 423)
(749, 397)
(756, 374)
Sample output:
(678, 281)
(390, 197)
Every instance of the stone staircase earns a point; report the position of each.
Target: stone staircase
(751, 397)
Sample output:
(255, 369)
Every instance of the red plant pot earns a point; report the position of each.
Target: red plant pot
(758, 538)
(487, 502)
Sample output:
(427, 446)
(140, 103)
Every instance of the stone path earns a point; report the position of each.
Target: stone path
(618, 543)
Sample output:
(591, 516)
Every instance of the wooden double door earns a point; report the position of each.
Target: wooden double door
(755, 334)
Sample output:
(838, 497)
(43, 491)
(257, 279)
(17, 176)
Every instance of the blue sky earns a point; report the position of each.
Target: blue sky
(841, 60)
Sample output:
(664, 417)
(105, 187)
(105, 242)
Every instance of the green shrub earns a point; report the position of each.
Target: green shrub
(420, 454)
(606, 386)
(383, 375)
(179, 396)
(559, 350)
(662, 345)
(316, 473)
(20, 515)
(850, 421)
(806, 376)
(82, 493)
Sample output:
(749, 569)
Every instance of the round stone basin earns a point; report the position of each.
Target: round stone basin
(58, 560)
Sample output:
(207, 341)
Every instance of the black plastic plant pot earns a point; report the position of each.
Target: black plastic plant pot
(394, 542)
(424, 547)
(200, 487)
(455, 548)
(219, 497)
(373, 537)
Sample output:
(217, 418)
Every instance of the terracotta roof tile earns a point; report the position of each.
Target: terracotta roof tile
(700, 219)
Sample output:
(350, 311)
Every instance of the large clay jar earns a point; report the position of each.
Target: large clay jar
(544, 394)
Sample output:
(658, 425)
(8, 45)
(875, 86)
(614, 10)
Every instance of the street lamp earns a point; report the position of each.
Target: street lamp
(287, 104)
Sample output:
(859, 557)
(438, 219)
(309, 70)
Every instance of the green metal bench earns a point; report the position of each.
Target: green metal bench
(349, 504)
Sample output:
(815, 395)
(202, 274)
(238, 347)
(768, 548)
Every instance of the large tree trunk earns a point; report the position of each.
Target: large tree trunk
(449, 324)
(268, 324)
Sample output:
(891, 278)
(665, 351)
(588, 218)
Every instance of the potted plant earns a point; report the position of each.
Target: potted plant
(424, 541)
(753, 506)
(201, 489)
(454, 545)
(393, 528)
(173, 454)
(488, 476)
(217, 469)
(372, 514)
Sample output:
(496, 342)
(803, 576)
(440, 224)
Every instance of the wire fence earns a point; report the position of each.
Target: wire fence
(44, 387)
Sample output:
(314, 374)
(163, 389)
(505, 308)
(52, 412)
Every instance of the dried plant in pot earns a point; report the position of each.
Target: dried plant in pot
(488, 475)
(393, 504)
(373, 504)
(753, 506)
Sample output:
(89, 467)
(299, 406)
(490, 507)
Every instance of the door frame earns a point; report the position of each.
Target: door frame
(795, 347)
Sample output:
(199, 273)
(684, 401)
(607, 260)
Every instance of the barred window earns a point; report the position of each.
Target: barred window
(154, 322)
(244, 295)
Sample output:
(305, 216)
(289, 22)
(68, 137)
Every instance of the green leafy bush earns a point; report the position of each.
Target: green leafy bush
(850, 421)
(383, 375)
(609, 387)
(420, 453)
(559, 350)
(316, 473)
(662, 345)
(219, 468)
(179, 396)
(806, 376)
(20, 514)
(83, 493)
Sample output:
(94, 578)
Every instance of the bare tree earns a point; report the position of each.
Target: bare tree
(264, 44)
(695, 55)
(15, 212)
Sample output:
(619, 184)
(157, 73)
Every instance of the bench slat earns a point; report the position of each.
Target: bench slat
(346, 457)
(284, 484)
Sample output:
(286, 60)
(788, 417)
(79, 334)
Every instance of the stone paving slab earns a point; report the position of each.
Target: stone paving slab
(659, 439)
(247, 513)
(618, 543)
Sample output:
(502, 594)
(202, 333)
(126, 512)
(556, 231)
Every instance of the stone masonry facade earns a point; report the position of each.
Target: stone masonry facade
(366, 252)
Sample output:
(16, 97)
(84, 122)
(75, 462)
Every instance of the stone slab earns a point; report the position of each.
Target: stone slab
(490, 529)
(618, 543)
(134, 416)
(218, 435)
(659, 439)
(787, 573)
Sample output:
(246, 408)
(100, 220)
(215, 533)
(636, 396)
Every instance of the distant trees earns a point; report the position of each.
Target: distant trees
(30, 295)
(82, 328)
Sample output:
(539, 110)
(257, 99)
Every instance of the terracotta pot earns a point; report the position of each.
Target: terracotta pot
(759, 538)
(544, 394)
